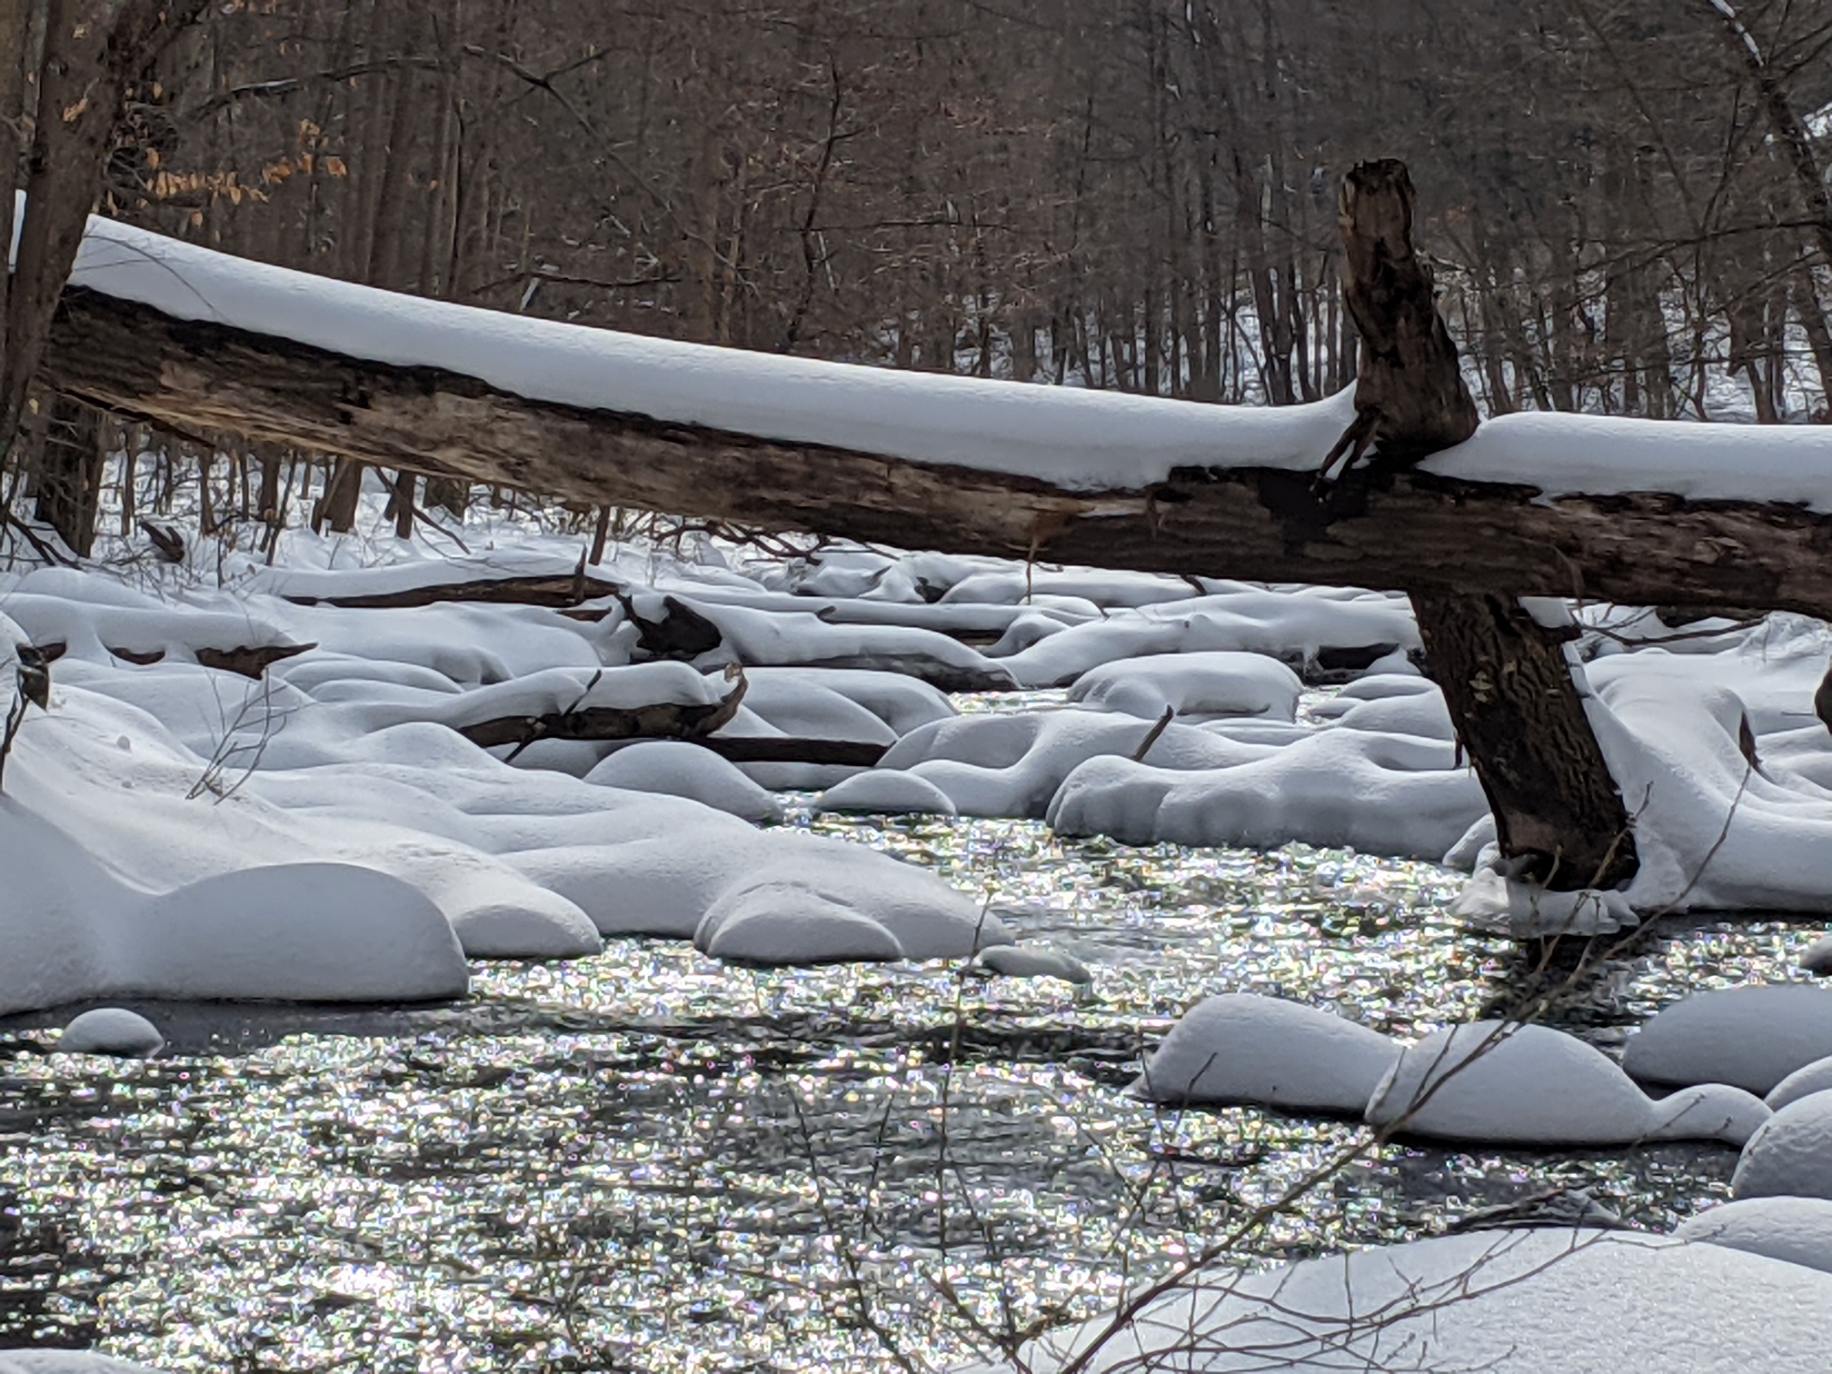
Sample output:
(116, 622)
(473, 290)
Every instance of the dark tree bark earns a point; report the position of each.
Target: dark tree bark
(1505, 678)
(69, 488)
(93, 53)
(558, 591)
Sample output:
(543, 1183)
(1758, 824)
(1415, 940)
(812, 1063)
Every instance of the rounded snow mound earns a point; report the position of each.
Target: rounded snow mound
(1791, 1156)
(111, 1030)
(685, 770)
(1379, 794)
(1420, 714)
(1803, 1082)
(809, 905)
(887, 792)
(1011, 765)
(1241, 1047)
(1795, 1229)
(1197, 686)
(1501, 1083)
(1751, 1036)
(306, 932)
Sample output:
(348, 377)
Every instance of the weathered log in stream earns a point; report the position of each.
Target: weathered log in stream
(661, 720)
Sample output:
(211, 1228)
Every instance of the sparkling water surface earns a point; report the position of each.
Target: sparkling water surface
(652, 1161)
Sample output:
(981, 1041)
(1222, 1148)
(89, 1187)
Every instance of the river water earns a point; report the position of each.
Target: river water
(649, 1160)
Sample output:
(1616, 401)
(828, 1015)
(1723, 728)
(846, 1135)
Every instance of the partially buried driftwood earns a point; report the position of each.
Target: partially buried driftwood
(663, 720)
(559, 591)
(246, 660)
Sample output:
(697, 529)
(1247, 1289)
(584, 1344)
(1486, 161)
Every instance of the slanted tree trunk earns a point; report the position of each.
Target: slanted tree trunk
(93, 52)
(1505, 678)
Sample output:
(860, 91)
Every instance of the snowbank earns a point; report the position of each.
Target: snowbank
(1011, 765)
(1797, 1230)
(1505, 1302)
(1711, 832)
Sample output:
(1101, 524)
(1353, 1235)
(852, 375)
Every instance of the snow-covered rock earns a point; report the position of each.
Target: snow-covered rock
(791, 911)
(901, 703)
(686, 770)
(1803, 1082)
(1791, 1155)
(1241, 1047)
(1033, 961)
(1418, 713)
(111, 1030)
(1196, 686)
(887, 791)
(1795, 1229)
(1526, 1084)
(1751, 1036)
(1505, 1302)
(1311, 631)
(1011, 765)
(1379, 794)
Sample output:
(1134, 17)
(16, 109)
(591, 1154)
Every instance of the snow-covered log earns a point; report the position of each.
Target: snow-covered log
(603, 710)
(1630, 511)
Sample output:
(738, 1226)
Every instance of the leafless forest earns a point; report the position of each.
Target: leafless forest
(1624, 202)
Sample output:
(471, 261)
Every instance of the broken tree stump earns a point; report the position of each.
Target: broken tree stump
(1506, 681)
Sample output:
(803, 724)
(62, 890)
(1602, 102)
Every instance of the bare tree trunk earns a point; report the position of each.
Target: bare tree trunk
(70, 475)
(93, 52)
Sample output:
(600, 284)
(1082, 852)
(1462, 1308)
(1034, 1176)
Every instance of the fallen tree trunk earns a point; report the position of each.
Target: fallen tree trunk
(1380, 528)
(1505, 679)
(842, 753)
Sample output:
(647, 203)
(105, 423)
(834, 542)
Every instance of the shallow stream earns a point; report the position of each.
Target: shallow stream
(649, 1160)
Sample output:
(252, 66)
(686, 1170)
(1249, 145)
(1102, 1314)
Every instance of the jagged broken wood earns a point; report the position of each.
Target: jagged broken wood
(1559, 815)
(1379, 527)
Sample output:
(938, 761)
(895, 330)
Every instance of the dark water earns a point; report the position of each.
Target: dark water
(648, 1160)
